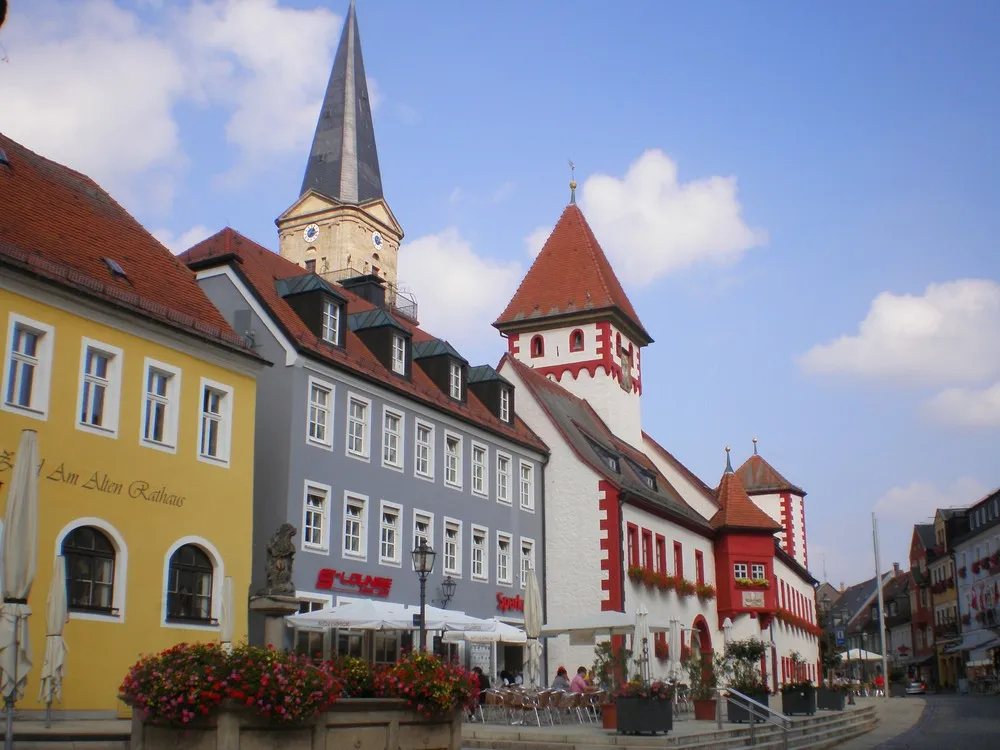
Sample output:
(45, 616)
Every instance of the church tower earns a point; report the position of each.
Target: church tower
(341, 225)
(571, 320)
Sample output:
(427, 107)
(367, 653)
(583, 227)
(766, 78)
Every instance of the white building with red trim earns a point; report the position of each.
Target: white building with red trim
(625, 522)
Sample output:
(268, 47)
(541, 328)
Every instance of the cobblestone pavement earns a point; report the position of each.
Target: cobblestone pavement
(947, 721)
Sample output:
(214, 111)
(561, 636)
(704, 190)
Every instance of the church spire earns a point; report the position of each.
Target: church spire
(343, 161)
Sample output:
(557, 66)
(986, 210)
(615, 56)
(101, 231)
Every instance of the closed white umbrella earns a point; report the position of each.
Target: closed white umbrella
(19, 563)
(226, 617)
(533, 627)
(727, 631)
(674, 646)
(640, 643)
(56, 617)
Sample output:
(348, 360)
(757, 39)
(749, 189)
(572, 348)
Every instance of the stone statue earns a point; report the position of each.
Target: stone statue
(280, 557)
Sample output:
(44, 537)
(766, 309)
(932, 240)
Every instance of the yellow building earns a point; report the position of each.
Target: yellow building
(143, 400)
(948, 524)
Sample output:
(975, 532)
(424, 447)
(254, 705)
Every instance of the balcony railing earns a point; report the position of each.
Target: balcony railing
(399, 298)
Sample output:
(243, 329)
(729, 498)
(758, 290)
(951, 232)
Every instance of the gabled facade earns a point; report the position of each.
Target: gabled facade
(923, 663)
(977, 557)
(949, 524)
(142, 398)
(663, 538)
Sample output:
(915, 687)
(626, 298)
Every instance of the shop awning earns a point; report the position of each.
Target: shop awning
(977, 639)
(502, 633)
(366, 614)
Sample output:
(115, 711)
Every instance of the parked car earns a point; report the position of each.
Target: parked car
(915, 687)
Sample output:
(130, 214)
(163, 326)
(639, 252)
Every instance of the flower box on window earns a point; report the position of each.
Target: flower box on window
(976, 567)
(985, 563)
(753, 583)
(685, 588)
(963, 572)
(705, 591)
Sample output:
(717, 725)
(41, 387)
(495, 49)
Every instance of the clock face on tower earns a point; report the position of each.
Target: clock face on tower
(377, 240)
(310, 233)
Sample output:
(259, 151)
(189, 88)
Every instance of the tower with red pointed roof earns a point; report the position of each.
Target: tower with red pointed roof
(571, 320)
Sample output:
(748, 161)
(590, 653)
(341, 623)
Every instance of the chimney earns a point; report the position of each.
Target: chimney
(895, 569)
(842, 589)
(369, 287)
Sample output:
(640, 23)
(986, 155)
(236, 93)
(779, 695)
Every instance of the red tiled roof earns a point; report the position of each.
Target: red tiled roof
(261, 267)
(570, 275)
(737, 510)
(759, 478)
(684, 470)
(59, 224)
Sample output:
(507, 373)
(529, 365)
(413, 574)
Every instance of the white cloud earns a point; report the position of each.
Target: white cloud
(917, 501)
(536, 240)
(504, 191)
(97, 87)
(458, 292)
(650, 224)
(456, 195)
(966, 407)
(944, 337)
(178, 243)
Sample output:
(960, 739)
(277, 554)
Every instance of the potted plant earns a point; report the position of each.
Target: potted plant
(703, 680)
(610, 667)
(746, 677)
(897, 682)
(645, 707)
(831, 697)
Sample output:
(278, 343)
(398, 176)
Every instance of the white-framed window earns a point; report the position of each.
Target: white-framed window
(480, 557)
(316, 517)
(215, 425)
(740, 570)
(480, 457)
(331, 322)
(455, 381)
(161, 400)
(27, 366)
(390, 534)
(358, 434)
(398, 354)
(98, 401)
(505, 404)
(503, 558)
(193, 577)
(392, 439)
(503, 478)
(452, 547)
(527, 485)
(423, 459)
(423, 528)
(320, 420)
(453, 460)
(527, 559)
(355, 526)
(758, 571)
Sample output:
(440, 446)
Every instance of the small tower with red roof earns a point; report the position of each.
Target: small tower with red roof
(571, 320)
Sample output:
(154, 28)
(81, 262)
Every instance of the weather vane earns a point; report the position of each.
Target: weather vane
(572, 181)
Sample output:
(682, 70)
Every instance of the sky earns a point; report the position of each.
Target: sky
(799, 198)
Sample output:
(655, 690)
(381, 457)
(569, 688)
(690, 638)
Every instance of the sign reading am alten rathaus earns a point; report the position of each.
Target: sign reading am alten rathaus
(96, 481)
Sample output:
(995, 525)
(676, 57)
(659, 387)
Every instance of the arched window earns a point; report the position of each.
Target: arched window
(90, 570)
(576, 341)
(537, 346)
(189, 585)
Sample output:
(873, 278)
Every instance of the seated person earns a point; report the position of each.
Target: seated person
(579, 682)
(561, 682)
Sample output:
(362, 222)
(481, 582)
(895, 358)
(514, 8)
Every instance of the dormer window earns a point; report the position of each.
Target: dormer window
(649, 480)
(455, 381)
(398, 354)
(331, 322)
(505, 404)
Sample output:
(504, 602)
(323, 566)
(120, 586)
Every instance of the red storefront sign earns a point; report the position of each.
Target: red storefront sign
(507, 603)
(355, 583)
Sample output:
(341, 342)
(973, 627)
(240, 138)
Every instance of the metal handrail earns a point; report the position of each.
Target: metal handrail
(756, 710)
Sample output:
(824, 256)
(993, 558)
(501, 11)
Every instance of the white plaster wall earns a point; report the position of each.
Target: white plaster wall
(901, 635)
(691, 494)
(663, 606)
(573, 556)
(557, 351)
(620, 410)
(771, 504)
(786, 638)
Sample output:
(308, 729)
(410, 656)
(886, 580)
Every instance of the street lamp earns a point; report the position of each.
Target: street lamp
(423, 562)
(448, 586)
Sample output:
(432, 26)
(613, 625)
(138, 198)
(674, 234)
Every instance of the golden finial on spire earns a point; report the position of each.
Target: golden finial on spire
(572, 181)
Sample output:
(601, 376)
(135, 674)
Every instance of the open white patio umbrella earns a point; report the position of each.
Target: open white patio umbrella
(640, 641)
(56, 617)
(502, 633)
(533, 627)
(19, 563)
(859, 654)
(226, 616)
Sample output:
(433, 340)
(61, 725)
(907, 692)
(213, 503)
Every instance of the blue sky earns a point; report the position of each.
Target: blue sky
(853, 146)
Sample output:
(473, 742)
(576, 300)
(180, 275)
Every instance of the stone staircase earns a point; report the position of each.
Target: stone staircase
(824, 730)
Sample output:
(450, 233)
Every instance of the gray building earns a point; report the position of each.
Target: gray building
(371, 433)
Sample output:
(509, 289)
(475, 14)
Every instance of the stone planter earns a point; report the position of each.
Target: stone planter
(704, 709)
(641, 715)
(358, 723)
(897, 690)
(609, 716)
(799, 701)
(739, 714)
(831, 700)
